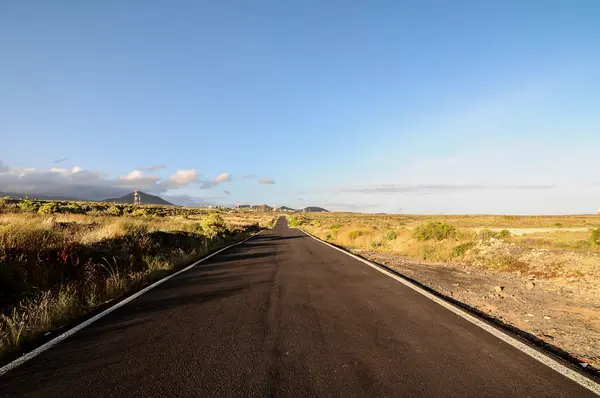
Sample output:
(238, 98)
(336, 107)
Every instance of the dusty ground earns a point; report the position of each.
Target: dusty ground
(560, 306)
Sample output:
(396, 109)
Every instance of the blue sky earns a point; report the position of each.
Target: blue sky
(382, 106)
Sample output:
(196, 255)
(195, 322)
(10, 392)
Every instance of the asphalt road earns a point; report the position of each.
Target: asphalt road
(284, 315)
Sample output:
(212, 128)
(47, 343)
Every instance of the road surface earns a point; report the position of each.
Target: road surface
(284, 315)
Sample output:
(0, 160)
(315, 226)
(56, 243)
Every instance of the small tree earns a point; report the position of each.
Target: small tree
(213, 225)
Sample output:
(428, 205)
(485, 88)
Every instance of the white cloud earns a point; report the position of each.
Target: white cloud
(61, 160)
(134, 175)
(182, 178)
(78, 183)
(266, 181)
(223, 177)
(139, 180)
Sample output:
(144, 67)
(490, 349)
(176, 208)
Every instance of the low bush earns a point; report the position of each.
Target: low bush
(115, 211)
(460, 250)
(48, 208)
(434, 230)
(505, 233)
(295, 221)
(594, 238)
(376, 243)
(355, 234)
(487, 234)
(28, 206)
(139, 212)
(71, 208)
(391, 235)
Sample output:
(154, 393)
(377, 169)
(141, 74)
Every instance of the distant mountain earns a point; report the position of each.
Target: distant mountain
(145, 198)
(285, 208)
(256, 207)
(314, 209)
(262, 208)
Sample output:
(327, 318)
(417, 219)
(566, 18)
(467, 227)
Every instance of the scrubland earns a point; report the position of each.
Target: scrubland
(61, 260)
(538, 274)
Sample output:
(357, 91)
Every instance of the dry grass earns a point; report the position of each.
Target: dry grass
(56, 267)
(403, 235)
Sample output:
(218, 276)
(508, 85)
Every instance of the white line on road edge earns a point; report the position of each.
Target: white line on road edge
(541, 357)
(32, 354)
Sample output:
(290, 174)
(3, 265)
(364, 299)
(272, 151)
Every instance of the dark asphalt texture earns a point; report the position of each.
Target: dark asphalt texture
(284, 315)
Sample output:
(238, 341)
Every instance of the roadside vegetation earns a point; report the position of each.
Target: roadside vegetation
(60, 260)
(539, 274)
(449, 238)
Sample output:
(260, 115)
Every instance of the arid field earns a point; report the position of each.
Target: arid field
(61, 260)
(539, 274)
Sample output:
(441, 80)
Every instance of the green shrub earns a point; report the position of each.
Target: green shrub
(335, 226)
(355, 234)
(391, 235)
(48, 208)
(295, 221)
(375, 244)
(434, 230)
(213, 225)
(115, 211)
(71, 208)
(487, 234)
(558, 225)
(461, 249)
(28, 206)
(594, 238)
(139, 212)
(505, 233)
(328, 235)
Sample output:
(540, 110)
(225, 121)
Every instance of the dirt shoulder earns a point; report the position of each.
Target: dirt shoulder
(562, 311)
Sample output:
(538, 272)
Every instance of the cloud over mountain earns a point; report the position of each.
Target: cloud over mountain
(80, 183)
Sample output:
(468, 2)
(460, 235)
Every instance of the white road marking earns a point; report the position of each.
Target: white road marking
(541, 357)
(32, 354)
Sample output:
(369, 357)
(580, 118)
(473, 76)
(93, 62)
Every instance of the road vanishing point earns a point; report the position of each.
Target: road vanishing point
(284, 315)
